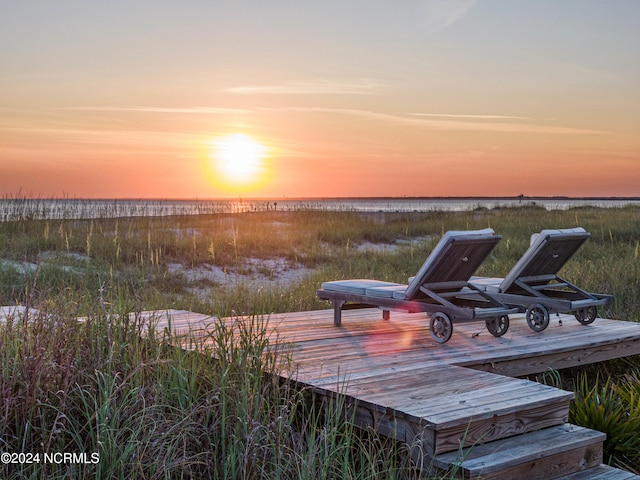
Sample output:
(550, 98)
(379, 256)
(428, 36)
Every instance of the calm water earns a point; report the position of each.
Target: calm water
(15, 209)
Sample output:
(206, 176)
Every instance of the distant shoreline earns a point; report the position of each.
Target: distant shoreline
(316, 199)
(75, 208)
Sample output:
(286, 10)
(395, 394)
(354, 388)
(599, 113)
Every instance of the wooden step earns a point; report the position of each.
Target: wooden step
(437, 409)
(601, 472)
(544, 454)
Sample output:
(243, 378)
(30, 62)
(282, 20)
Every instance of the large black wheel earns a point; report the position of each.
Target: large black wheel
(537, 317)
(441, 327)
(586, 315)
(498, 326)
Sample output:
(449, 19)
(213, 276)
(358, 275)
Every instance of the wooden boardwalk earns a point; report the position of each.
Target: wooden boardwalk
(444, 398)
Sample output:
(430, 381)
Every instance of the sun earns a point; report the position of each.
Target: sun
(238, 160)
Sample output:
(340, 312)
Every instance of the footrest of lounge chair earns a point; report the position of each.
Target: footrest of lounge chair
(578, 304)
(357, 286)
(493, 312)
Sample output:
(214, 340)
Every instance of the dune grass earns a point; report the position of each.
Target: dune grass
(152, 411)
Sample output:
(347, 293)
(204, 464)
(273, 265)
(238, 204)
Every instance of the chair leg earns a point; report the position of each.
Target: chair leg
(337, 312)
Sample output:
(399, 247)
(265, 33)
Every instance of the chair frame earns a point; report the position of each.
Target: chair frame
(441, 288)
(534, 284)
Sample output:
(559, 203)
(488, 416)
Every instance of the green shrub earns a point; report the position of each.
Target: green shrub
(613, 409)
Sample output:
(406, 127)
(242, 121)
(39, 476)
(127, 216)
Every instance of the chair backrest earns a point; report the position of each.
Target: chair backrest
(547, 254)
(455, 258)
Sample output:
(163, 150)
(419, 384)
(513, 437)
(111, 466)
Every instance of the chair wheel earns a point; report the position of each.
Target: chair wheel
(441, 327)
(586, 315)
(498, 326)
(537, 317)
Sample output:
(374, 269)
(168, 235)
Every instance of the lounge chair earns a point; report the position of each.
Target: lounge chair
(440, 288)
(534, 284)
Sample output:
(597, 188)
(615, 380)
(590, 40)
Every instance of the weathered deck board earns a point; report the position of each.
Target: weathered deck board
(394, 366)
(400, 382)
(601, 472)
(544, 454)
(365, 345)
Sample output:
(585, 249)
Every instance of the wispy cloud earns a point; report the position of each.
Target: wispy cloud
(588, 73)
(600, 153)
(127, 138)
(152, 109)
(456, 124)
(443, 13)
(469, 116)
(319, 87)
(439, 121)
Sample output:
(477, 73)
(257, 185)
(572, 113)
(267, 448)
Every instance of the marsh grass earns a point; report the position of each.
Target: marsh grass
(152, 411)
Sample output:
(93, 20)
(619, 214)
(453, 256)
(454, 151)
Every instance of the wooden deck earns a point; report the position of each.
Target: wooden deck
(440, 398)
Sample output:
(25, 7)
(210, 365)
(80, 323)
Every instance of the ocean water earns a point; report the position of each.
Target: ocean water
(41, 209)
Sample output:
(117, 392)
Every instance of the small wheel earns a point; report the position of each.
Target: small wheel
(498, 326)
(441, 327)
(537, 317)
(586, 315)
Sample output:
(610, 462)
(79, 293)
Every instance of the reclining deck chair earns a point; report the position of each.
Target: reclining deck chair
(534, 284)
(440, 288)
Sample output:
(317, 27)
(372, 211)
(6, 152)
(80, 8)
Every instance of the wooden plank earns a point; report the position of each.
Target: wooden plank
(561, 360)
(503, 425)
(529, 446)
(550, 350)
(601, 472)
(543, 454)
(490, 405)
(381, 347)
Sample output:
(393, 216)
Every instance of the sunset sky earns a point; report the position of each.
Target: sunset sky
(283, 98)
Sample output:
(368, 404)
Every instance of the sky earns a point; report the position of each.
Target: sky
(287, 99)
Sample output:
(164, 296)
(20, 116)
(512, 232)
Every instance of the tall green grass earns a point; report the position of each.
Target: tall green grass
(153, 411)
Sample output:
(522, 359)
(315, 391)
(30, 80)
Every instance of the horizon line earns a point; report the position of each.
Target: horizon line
(323, 198)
